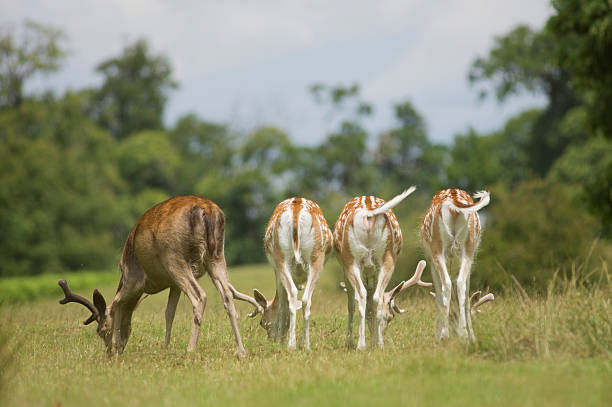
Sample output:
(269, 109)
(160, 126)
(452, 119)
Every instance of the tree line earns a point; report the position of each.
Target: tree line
(79, 168)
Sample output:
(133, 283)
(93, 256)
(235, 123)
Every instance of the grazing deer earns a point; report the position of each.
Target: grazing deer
(451, 227)
(367, 239)
(171, 246)
(297, 242)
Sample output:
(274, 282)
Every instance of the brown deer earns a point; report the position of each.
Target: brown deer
(171, 246)
(368, 238)
(297, 242)
(451, 227)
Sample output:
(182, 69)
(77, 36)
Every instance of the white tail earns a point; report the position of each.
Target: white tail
(393, 202)
(484, 201)
(296, 241)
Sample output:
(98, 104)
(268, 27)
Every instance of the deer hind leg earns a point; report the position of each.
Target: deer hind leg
(350, 292)
(464, 318)
(189, 285)
(314, 272)
(284, 275)
(218, 274)
(353, 275)
(173, 299)
(443, 287)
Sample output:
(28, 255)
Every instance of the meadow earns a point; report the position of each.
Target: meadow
(547, 350)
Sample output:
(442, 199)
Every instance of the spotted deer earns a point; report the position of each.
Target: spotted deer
(297, 242)
(367, 239)
(171, 246)
(451, 228)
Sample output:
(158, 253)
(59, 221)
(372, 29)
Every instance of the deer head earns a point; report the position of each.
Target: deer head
(268, 310)
(99, 312)
(485, 298)
(390, 308)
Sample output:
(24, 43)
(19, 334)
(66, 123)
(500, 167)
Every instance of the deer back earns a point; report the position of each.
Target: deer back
(297, 228)
(183, 230)
(448, 198)
(353, 219)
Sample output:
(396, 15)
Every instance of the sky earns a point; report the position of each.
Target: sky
(250, 63)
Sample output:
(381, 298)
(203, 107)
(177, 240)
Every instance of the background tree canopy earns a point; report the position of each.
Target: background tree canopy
(78, 169)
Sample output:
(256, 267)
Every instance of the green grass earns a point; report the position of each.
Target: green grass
(532, 351)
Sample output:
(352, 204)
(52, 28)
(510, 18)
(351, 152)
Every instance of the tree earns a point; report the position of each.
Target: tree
(203, 147)
(147, 159)
(583, 30)
(60, 190)
(525, 60)
(135, 90)
(37, 49)
(405, 155)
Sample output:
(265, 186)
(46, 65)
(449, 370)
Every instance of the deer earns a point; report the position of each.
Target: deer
(367, 240)
(451, 228)
(297, 242)
(170, 246)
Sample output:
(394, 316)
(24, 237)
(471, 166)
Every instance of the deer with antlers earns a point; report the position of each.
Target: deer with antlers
(297, 242)
(367, 239)
(451, 228)
(171, 246)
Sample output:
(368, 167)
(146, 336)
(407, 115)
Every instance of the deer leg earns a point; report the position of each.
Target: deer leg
(443, 286)
(350, 292)
(464, 320)
(173, 299)
(189, 285)
(284, 275)
(126, 320)
(314, 272)
(121, 314)
(218, 274)
(354, 277)
(384, 275)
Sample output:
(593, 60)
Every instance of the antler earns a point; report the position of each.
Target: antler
(414, 280)
(70, 297)
(247, 298)
(480, 301)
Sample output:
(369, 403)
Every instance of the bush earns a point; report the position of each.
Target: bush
(529, 231)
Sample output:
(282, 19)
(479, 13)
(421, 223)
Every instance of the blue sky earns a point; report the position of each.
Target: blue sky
(249, 63)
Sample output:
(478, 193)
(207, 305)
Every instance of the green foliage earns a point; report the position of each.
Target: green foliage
(36, 49)
(134, 92)
(405, 156)
(148, 160)
(58, 190)
(599, 193)
(525, 60)
(583, 31)
(522, 60)
(530, 230)
(204, 147)
(582, 163)
(347, 160)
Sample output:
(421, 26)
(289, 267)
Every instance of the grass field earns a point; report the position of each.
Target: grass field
(550, 351)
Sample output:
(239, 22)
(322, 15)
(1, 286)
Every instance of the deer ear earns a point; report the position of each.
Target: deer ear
(259, 297)
(100, 303)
